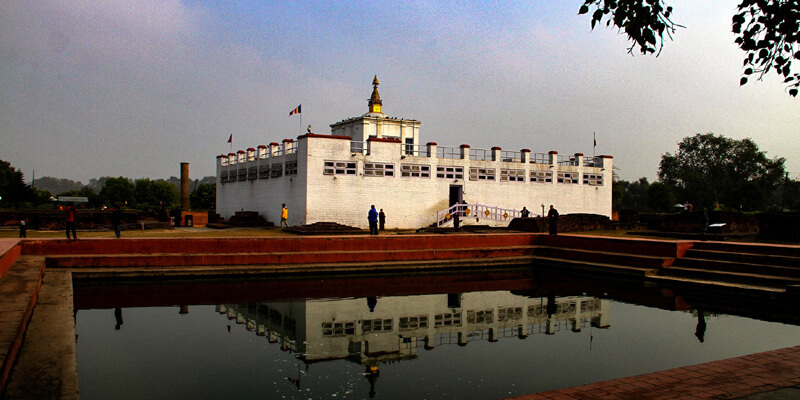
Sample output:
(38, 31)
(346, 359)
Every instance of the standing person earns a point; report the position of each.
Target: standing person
(372, 217)
(69, 215)
(552, 217)
(524, 213)
(23, 229)
(284, 216)
(116, 220)
(382, 220)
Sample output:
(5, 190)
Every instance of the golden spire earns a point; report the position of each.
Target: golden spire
(375, 100)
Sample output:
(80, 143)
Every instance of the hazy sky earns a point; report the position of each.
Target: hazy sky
(132, 88)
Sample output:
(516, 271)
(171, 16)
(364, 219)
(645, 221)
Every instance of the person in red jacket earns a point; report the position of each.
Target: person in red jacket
(69, 214)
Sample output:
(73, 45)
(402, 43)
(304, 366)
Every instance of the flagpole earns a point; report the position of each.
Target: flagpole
(594, 146)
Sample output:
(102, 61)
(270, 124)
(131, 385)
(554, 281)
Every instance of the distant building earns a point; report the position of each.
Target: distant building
(377, 159)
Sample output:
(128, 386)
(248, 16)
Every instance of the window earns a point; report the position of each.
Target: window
(450, 172)
(480, 317)
(263, 172)
(276, 171)
(376, 325)
(291, 168)
(593, 179)
(509, 313)
(481, 174)
(537, 310)
(415, 171)
(338, 328)
(415, 322)
(232, 175)
(378, 169)
(568, 177)
(512, 175)
(242, 174)
(447, 319)
(223, 177)
(339, 168)
(541, 176)
(252, 173)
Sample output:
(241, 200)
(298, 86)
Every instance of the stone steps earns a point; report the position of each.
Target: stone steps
(746, 258)
(284, 258)
(592, 267)
(738, 267)
(604, 257)
(740, 278)
(290, 269)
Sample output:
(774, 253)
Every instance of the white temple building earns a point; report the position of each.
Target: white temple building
(380, 160)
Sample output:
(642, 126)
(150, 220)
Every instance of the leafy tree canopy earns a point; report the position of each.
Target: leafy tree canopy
(57, 185)
(155, 193)
(118, 190)
(768, 31)
(204, 197)
(13, 189)
(710, 169)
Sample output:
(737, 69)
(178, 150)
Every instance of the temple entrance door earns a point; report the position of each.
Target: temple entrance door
(456, 194)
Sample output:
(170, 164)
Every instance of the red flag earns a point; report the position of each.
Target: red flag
(295, 111)
(230, 139)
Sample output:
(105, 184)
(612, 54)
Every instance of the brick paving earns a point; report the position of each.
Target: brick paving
(769, 375)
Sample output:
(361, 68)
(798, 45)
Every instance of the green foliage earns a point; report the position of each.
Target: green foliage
(768, 31)
(660, 197)
(155, 193)
(13, 189)
(57, 185)
(644, 21)
(204, 197)
(118, 191)
(708, 170)
(631, 195)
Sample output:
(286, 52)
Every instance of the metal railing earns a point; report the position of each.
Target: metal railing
(448, 152)
(476, 211)
(480, 154)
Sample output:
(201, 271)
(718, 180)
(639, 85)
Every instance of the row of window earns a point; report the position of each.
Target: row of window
(263, 172)
(503, 314)
(373, 169)
(475, 173)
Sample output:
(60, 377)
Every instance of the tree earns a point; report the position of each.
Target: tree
(117, 191)
(631, 195)
(768, 31)
(57, 185)
(155, 193)
(13, 189)
(660, 197)
(708, 170)
(204, 197)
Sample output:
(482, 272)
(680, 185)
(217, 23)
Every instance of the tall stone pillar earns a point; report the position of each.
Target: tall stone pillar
(185, 186)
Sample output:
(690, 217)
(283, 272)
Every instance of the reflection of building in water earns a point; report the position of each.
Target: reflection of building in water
(370, 331)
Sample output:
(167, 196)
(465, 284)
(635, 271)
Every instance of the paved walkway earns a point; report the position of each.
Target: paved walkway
(773, 375)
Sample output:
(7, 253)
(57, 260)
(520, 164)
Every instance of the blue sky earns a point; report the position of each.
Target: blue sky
(90, 89)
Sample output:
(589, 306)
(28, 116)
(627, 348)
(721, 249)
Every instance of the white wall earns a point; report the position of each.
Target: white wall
(409, 202)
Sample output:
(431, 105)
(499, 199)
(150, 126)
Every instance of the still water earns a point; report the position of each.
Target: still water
(484, 336)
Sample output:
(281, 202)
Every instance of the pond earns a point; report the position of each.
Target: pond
(458, 336)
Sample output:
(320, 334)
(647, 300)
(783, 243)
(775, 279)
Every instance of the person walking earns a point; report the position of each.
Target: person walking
(552, 218)
(23, 229)
(382, 220)
(69, 215)
(372, 217)
(116, 220)
(284, 216)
